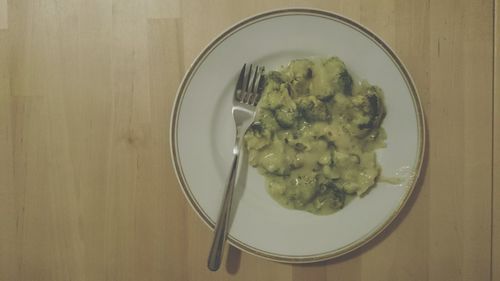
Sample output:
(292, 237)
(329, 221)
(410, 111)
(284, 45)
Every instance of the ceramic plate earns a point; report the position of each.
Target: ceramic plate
(202, 134)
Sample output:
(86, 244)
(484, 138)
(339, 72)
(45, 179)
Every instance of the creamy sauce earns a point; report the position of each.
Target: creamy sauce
(316, 134)
(391, 180)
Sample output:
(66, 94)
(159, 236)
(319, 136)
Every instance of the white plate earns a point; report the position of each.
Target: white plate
(202, 133)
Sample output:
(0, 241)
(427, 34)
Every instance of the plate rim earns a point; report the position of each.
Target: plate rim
(284, 12)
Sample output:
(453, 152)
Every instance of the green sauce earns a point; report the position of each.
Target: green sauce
(315, 135)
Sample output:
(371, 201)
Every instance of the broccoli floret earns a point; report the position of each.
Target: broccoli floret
(280, 103)
(329, 198)
(276, 98)
(300, 73)
(301, 190)
(299, 88)
(300, 69)
(285, 116)
(329, 79)
(266, 118)
(274, 79)
(339, 76)
(312, 109)
(257, 137)
(344, 83)
(371, 109)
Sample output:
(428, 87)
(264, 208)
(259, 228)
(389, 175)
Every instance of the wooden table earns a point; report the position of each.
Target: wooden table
(87, 189)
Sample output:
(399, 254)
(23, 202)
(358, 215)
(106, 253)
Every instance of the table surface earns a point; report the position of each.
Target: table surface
(87, 188)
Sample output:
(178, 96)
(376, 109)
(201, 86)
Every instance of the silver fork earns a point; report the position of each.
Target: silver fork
(245, 98)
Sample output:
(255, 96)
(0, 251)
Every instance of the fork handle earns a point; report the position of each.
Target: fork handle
(215, 255)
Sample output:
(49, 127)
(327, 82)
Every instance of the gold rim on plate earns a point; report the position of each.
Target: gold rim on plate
(287, 12)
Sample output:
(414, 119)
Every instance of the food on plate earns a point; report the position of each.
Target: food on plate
(315, 135)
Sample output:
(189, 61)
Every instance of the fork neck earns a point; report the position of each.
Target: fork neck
(238, 143)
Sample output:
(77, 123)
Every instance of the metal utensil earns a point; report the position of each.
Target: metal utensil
(246, 96)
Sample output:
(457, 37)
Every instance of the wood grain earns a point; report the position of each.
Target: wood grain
(8, 205)
(496, 152)
(87, 188)
(4, 19)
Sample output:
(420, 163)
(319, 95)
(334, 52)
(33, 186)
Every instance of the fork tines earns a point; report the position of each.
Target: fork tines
(248, 87)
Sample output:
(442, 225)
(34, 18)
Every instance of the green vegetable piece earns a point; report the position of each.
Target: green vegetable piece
(286, 116)
(312, 109)
(338, 78)
(257, 137)
(371, 110)
(301, 190)
(274, 79)
(331, 199)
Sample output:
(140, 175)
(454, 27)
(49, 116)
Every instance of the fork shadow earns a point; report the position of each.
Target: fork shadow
(233, 260)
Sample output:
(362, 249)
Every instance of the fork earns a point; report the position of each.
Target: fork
(245, 98)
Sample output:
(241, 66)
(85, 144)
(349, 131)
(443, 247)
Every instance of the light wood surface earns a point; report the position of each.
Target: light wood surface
(87, 190)
(496, 152)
